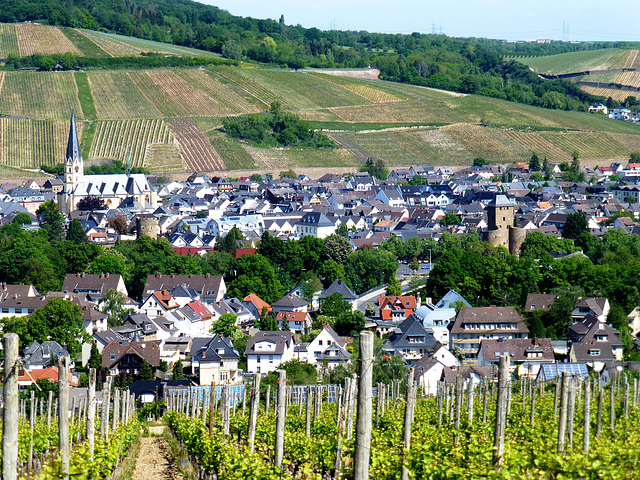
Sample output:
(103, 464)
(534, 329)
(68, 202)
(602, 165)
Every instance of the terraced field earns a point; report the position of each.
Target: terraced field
(117, 97)
(174, 96)
(618, 95)
(372, 94)
(195, 149)
(233, 154)
(121, 138)
(164, 158)
(8, 40)
(34, 38)
(32, 143)
(594, 146)
(39, 95)
(229, 102)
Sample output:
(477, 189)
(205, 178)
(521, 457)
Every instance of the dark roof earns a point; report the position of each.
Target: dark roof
(411, 334)
(489, 315)
(540, 301)
(149, 351)
(338, 286)
(281, 340)
(216, 349)
(315, 219)
(90, 282)
(200, 283)
(290, 301)
(517, 349)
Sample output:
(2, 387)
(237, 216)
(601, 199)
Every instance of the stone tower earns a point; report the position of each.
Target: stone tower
(501, 231)
(73, 163)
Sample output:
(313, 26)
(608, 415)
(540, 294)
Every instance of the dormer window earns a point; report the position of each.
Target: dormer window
(594, 352)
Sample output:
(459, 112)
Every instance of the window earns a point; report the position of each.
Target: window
(320, 342)
(594, 352)
(112, 356)
(258, 359)
(5, 309)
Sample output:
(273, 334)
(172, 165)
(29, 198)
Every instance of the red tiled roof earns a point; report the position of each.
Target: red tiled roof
(245, 251)
(257, 301)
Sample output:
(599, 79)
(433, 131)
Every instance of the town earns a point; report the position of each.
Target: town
(191, 327)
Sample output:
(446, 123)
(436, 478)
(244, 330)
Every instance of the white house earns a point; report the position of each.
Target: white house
(317, 348)
(267, 350)
(315, 224)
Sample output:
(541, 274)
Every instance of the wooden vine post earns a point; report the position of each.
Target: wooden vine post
(365, 408)
(587, 415)
(212, 407)
(10, 414)
(409, 407)
(501, 411)
(280, 417)
(564, 404)
(253, 411)
(91, 410)
(63, 416)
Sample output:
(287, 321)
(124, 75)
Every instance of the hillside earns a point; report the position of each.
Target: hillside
(168, 121)
(605, 59)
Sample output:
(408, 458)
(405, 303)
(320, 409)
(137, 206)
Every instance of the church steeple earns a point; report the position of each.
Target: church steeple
(73, 163)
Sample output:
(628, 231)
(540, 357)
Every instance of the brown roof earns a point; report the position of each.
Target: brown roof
(539, 301)
(200, 283)
(517, 348)
(149, 351)
(489, 315)
(83, 282)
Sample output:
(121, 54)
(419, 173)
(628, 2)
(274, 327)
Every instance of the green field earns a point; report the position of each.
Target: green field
(605, 59)
(169, 121)
(8, 40)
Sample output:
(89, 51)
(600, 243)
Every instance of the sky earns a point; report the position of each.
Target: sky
(501, 19)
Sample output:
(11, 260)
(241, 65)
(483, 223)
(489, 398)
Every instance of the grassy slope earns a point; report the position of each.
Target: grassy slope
(577, 61)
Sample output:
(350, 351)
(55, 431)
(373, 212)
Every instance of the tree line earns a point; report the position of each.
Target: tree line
(468, 65)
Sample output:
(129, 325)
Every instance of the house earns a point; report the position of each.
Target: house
(315, 224)
(411, 341)
(192, 319)
(267, 350)
(297, 322)
(338, 286)
(159, 304)
(147, 391)
(598, 307)
(396, 308)
(211, 288)
(141, 326)
(450, 299)
(95, 286)
(429, 370)
(473, 324)
(598, 107)
(436, 320)
(634, 322)
(539, 301)
(594, 342)
(215, 360)
(255, 305)
(28, 377)
(291, 303)
(327, 347)
(128, 357)
(526, 354)
(43, 355)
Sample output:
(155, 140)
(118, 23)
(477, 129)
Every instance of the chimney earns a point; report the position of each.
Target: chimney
(106, 275)
(4, 287)
(535, 341)
(208, 275)
(171, 275)
(157, 274)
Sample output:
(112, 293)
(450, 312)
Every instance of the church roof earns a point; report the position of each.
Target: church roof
(73, 146)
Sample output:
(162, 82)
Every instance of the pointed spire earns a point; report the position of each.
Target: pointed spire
(73, 146)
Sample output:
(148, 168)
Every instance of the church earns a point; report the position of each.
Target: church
(112, 189)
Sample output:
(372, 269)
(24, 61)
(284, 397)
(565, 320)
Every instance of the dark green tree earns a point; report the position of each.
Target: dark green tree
(75, 232)
(349, 323)
(177, 372)
(479, 162)
(534, 163)
(146, 371)
(230, 241)
(51, 221)
(22, 218)
(575, 226)
(334, 305)
(337, 248)
(450, 219)
(393, 287)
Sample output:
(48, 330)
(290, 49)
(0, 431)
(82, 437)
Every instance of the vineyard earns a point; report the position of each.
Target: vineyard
(195, 149)
(121, 138)
(255, 89)
(117, 97)
(618, 95)
(565, 429)
(8, 40)
(367, 92)
(595, 146)
(163, 158)
(41, 95)
(31, 143)
(34, 38)
(174, 97)
(234, 156)
(604, 59)
(230, 102)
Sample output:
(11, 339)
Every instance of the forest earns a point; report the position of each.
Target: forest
(467, 65)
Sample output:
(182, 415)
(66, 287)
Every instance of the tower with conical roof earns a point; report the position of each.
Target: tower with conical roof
(73, 163)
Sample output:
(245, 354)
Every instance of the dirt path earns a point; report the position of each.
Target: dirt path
(155, 461)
